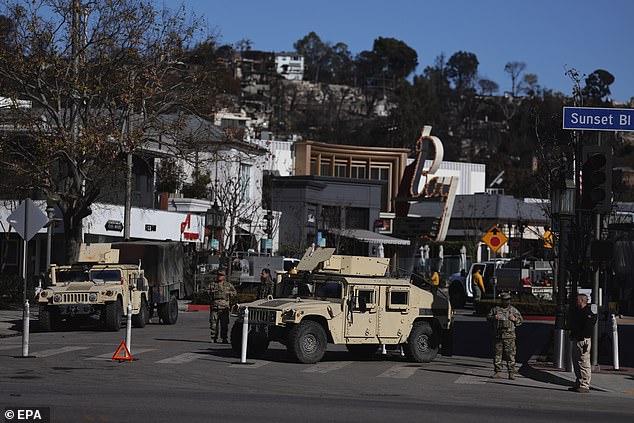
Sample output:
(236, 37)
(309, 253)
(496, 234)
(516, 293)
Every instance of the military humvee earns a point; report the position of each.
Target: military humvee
(96, 285)
(346, 300)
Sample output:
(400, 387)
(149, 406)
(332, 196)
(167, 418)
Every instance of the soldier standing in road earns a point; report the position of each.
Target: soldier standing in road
(582, 321)
(505, 319)
(478, 288)
(221, 293)
(267, 286)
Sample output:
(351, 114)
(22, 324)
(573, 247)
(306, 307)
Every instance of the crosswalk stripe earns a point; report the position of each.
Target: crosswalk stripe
(253, 364)
(55, 351)
(468, 378)
(399, 372)
(181, 358)
(9, 347)
(108, 356)
(326, 367)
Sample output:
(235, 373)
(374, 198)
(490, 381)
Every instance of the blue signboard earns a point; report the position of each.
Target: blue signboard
(597, 119)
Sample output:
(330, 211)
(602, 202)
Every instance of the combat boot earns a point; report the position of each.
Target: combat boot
(496, 375)
(512, 375)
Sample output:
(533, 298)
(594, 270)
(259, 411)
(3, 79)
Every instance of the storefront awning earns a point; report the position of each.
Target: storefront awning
(370, 237)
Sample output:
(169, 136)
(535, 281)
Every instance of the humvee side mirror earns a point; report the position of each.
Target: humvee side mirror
(140, 284)
(363, 306)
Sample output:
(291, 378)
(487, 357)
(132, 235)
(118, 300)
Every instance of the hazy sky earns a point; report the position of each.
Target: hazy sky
(548, 35)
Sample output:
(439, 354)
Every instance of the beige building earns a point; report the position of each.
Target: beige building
(345, 161)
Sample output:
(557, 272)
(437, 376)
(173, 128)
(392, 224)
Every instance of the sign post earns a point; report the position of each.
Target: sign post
(27, 220)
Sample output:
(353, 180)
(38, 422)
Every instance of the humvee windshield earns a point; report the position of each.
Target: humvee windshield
(75, 275)
(71, 276)
(322, 289)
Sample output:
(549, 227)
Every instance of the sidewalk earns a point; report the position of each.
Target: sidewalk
(11, 322)
(604, 378)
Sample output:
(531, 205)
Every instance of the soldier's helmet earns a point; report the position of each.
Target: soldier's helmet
(505, 296)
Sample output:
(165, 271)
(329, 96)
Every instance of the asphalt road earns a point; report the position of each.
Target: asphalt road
(178, 376)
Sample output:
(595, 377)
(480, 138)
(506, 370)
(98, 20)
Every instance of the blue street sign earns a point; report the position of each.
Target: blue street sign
(597, 119)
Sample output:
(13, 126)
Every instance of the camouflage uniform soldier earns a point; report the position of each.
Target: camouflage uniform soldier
(505, 319)
(267, 286)
(221, 293)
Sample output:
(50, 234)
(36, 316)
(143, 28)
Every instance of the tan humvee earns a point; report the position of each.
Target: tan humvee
(96, 286)
(346, 300)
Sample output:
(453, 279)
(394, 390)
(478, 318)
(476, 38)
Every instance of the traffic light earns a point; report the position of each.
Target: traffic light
(596, 182)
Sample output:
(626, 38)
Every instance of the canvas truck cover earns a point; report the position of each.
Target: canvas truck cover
(162, 262)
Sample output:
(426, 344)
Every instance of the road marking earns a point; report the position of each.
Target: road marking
(9, 347)
(252, 364)
(55, 351)
(399, 372)
(469, 379)
(181, 358)
(108, 356)
(327, 367)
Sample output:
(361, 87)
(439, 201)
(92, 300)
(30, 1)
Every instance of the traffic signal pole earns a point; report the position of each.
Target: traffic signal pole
(594, 355)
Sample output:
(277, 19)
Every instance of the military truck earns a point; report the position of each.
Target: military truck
(97, 285)
(346, 300)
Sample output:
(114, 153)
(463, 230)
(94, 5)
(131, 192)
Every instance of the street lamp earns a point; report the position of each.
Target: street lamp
(214, 220)
(563, 209)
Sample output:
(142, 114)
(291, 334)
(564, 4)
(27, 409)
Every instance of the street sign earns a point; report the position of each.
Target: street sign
(114, 225)
(495, 239)
(598, 119)
(27, 219)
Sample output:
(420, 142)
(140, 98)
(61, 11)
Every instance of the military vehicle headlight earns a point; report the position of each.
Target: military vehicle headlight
(108, 293)
(288, 314)
(57, 298)
(92, 297)
(43, 294)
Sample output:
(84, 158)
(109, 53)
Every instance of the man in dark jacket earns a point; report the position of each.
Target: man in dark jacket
(582, 321)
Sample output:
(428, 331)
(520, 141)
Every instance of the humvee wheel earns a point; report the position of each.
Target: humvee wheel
(139, 320)
(307, 342)
(114, 310)
(363, 351)
(257, 344)
(168, 312)
(422, 344)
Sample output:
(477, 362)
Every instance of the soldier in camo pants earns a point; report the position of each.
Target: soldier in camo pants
(505, 319)
(222, 293)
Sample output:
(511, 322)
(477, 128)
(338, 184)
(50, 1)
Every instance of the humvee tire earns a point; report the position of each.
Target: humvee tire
(168, 312)
(257, 344)
(363, 351)
(114, 310)
(139, 320)
(307, 342)
(422, 343)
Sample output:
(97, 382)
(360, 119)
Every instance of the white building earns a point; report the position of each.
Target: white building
(290, 66)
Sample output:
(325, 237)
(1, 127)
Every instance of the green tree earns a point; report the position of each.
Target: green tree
(316, 54)
(597, 86)
(488, 87)
(462, 69)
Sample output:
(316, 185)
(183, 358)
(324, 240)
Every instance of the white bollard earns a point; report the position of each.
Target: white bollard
(25, 332)
(615, 342)
(245, 336)
(383, 350)
(128, 329)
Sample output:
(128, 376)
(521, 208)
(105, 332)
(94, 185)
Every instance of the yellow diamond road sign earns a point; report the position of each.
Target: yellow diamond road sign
(495, 239)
